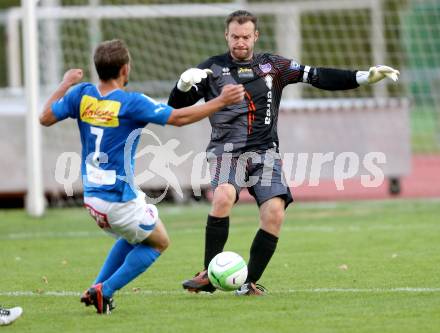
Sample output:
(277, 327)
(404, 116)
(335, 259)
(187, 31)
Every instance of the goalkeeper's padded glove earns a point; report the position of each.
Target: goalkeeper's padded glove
(376, 74)
(192, 76)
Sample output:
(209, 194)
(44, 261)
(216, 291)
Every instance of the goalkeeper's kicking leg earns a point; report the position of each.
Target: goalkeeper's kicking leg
(216, 235)
(272, 199)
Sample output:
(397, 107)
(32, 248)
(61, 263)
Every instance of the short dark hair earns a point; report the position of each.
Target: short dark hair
(109, 58)
(241, 17)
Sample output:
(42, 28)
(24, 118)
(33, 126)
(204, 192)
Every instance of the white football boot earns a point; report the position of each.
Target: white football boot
(8, 316)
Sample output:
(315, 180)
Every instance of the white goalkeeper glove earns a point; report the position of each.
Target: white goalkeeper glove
(192, 76)
(376, 74)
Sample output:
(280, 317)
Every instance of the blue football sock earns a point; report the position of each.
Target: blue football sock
(136, 262)
(114, 260)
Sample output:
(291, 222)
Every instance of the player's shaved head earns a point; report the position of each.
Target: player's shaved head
(241, 17)
(109, 58)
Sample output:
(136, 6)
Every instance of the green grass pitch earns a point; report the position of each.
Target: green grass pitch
(339, 267)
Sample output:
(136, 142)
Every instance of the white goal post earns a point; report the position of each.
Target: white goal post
(34, 200)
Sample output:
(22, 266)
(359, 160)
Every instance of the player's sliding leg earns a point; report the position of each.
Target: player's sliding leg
(114, 260)
(137, 260)
(216, 235)
(264, 244)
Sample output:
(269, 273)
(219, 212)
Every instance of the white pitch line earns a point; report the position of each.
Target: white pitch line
(50, 234)
(366, 290)
(310, 228)
(66, 293)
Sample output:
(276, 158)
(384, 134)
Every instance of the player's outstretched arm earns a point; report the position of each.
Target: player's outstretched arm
(341, 79)
(71, 77)
(231, 94)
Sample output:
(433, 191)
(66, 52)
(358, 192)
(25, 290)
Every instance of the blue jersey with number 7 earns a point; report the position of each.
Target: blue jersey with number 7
(109, 127)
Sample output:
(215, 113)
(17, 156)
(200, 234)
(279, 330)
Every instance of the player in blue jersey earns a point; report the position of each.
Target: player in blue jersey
(109, 119)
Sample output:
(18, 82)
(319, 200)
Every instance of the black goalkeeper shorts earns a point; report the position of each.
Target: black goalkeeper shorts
(260, 172)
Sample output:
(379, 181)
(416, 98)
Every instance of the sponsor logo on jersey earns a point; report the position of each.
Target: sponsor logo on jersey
(151, 213)
(99, 113)
(226, 71)
(268, 80)
(268, 117)
(265, 68)
(244, 72)
(294, 65)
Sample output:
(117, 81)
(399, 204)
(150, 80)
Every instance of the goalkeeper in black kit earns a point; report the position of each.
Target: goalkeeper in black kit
(243, 151)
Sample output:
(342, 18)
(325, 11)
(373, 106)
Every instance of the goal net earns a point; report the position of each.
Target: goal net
(167, 37)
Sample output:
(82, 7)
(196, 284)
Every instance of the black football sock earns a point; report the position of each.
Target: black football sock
(216, 235)
(262, 249)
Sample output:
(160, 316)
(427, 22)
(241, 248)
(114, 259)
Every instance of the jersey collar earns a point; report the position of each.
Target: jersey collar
(109, 93)
(240, 63)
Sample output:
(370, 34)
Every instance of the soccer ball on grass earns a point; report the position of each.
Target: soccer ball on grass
(227, 271)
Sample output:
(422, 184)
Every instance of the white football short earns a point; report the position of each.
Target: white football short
(132, 220)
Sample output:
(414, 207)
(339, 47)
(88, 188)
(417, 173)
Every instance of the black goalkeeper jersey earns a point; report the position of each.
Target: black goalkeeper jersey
(252, 124)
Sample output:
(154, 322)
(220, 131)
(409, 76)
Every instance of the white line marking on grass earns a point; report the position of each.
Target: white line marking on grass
(360, 228)
(43, 293)
(366, 290)
(51, 234)
(310, 228)
(66, 293)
